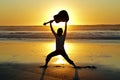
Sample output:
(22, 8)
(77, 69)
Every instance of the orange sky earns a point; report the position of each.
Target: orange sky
(36, 12)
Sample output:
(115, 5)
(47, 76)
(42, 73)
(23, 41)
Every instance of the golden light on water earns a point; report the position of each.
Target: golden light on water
(60, 59)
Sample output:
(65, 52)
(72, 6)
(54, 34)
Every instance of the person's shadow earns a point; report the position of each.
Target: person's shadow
(76, 76)
(43, 73)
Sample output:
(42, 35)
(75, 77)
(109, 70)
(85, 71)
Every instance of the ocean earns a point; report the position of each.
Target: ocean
(74, 32)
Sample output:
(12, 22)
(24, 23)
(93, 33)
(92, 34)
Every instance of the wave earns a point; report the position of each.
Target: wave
(70, 35)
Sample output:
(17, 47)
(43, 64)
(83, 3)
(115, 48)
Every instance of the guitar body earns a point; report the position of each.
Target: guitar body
(62, 16)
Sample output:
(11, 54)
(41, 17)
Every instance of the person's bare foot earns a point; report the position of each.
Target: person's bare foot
(76, 66)
(45, 66)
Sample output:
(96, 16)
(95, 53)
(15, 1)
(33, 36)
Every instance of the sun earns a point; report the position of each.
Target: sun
(55, 9)
(59, 25)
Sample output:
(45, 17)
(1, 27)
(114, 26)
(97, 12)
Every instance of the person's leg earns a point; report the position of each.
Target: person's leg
(67, 58)
(49, 56)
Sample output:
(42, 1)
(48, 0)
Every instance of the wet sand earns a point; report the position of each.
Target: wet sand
(21, 60)
(15, 71)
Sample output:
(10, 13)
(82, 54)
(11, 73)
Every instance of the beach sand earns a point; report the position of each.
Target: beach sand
(62, 72)
(21, 60)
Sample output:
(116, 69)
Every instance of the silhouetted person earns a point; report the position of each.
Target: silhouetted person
(60, 39)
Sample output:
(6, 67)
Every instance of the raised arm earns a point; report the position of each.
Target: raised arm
(52, 28)
(65, 31)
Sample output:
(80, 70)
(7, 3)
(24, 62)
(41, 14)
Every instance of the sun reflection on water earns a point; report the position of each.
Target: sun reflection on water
(59, 58)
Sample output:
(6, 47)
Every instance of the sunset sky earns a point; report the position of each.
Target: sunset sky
(81, 12)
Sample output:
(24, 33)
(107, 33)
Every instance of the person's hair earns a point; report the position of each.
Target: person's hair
(59, 31)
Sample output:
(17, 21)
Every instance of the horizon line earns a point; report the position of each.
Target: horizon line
(68, 25)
